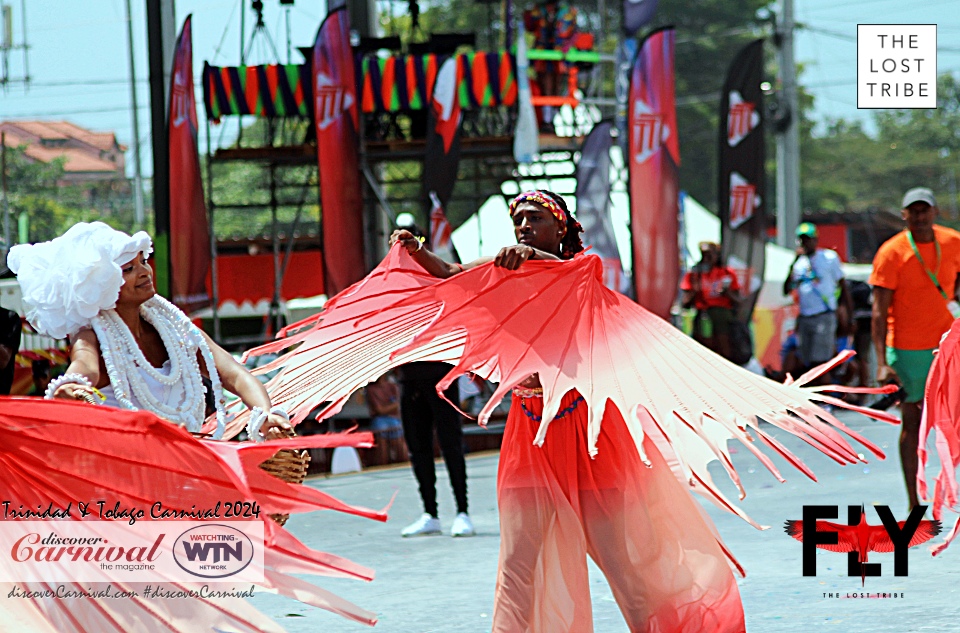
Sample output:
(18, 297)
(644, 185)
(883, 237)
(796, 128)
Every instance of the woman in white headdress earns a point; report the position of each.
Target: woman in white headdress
(130, 348)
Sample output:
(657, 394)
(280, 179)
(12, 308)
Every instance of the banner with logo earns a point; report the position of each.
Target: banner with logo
(593, 202)
(637, 14)
(654, 159)
(335, 116)
(189, 229)
(441, 157)
(135, 548)
(741, 187)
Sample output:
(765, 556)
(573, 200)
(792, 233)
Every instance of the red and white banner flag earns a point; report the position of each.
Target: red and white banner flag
(441, 233)
(654, 160)
(336, 117)
(741, 167)
(189, 229)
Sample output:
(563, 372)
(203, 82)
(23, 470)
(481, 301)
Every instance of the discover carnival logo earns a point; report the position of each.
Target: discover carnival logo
(122, 551)
(213, 551)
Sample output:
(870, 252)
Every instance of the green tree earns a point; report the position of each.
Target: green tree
(241, 190)
(709, 35)
(52, 205)
(846, 169)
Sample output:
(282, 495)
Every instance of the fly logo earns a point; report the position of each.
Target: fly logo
(858, 538)
(743, 200)
(180, 99)
(649, 131)
(332, 101)
(213, 551)
(742, 118)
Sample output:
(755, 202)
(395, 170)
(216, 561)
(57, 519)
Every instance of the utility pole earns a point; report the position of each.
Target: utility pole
(137, 175)
(788, 141)
(161, 40)
(3, 191)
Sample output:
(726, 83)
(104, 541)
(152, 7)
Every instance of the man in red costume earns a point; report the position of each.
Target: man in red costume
(714, 291)
(558, 505)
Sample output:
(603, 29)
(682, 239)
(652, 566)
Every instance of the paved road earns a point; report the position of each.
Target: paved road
(442, 584)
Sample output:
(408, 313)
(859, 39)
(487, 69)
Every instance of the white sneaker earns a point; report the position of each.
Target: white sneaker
(462, 526)
(423, 526)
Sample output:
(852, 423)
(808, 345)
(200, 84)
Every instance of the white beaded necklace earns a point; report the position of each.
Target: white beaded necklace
(181, 338)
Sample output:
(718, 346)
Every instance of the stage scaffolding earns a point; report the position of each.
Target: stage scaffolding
(279, 154)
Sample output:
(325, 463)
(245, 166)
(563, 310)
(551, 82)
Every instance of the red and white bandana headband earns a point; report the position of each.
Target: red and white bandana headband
(545, 201)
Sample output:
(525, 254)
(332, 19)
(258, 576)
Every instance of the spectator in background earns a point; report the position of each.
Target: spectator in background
(422, 410)
(859, 366)
(10, 329)
(383, 401)
(714, 291)
(914, 303)
(40, 369)
(822, 298)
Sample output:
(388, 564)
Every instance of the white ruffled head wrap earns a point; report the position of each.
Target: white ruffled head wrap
(67, 281)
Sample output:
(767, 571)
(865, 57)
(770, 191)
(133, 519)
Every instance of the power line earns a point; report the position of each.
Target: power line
(831, 7)
(853, 38)
(28, 115)
(81, 82)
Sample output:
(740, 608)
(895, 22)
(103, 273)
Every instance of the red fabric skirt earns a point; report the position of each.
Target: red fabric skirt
(642, 528)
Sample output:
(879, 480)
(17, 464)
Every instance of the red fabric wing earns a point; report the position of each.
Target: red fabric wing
(62, 452)
(941, 414)
(333, 357)
(558, 320)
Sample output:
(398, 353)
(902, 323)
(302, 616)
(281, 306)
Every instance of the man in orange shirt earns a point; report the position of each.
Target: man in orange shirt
(914, 283)
(714, 291)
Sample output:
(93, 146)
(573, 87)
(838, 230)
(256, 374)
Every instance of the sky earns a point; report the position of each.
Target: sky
(79, 68)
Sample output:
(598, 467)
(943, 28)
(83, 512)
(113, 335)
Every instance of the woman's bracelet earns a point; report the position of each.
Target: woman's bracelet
(258, 416)
(66, 379)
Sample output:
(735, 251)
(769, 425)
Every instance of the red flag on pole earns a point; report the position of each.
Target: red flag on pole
(654, 158)
(335, 116)
(441, 155)
(441, 233)
(189, 229)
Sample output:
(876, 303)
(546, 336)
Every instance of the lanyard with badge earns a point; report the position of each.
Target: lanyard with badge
(952, 304)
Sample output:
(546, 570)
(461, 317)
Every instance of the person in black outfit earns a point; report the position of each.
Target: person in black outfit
(10, 329)
(422, 410)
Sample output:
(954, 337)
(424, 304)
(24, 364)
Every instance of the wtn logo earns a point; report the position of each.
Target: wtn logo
(214, 551)
(858, 538)
(221, 551)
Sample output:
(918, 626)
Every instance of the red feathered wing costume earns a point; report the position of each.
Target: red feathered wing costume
(622, 390)
(941, 414)
(65, 452)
